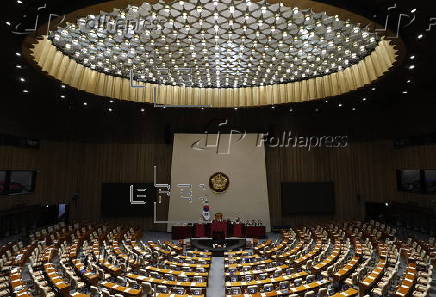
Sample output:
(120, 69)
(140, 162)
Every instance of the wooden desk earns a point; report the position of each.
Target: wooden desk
(205, 266)
(266, 281)
(158, 281)
(176, 272)
(56, 279)
(329, 260)
(88, 276)
(298, 290)
(177, 295)
(257, 271)
(120, 289)
(405, 288)
(372, 278)
(236, 265)
(347, 293)
(346, 270)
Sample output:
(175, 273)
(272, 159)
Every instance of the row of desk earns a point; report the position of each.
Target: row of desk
(225, 229)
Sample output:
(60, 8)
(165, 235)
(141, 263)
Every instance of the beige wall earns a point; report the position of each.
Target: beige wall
(247, 195)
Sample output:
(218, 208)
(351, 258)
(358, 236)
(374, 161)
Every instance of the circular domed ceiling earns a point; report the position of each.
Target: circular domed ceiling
(217, 53)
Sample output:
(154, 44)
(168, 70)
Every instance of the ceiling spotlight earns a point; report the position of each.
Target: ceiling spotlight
(235, 108)
(18, 54)
(316, 109)
(353, 109)
(111, 101)
(85, 103)
(373, 89)
(19, 66)
(412, 57)
(8, 23)
(326, 101)
(405, 92)
(340, 104)
(364, 99)
(420, 36)
(142, 109)
(25, 91)
(413, 10)
(411, 67)
(22, 79)
(63, 96)
(109, 109)
(19, 1)
(63, 86)
(273, 107)
(291, 109)
(409, 81)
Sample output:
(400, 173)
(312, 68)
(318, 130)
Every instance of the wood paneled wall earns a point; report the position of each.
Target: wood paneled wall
(361, 172)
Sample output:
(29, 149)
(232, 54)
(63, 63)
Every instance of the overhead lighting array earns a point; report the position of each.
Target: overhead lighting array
(214, 43)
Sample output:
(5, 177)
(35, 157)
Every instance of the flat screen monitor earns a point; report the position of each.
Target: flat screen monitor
(3, 185)
(21, 182)
(409, 180)
(430, 181)
(308, 198)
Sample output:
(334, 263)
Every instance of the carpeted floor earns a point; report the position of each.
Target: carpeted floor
(216, 278)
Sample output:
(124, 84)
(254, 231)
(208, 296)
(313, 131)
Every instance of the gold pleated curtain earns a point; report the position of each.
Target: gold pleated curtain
(69, 72)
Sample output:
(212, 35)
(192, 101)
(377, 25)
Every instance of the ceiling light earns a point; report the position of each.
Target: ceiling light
(18, 54)
(373, 89)
(409, 81)
(63, 96)
(63, 86)
(411, 67)
(85, 104)
(405, 92)
(92, 49)
(412, 57)
(420, 36)
(413, 10)
(19, 1)
(8, 23)
(353, 109)
(235, 108)
(109, 109)
(22, 79)
(364, 99)
(19, 66)
(111, 101)
(142, 109)
(340, 104)
(25, 91)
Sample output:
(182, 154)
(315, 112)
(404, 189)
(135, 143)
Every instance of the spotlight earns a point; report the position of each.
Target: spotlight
(316, 109)
(109, 109)
(235, 108)
(8, 23)
(420, 36)
(412, 57)
(19, 66)
(85, 103)
(413, 10)
(353, 109)
(405, 92)
(63, 96)
(142, 109)
(25, 91)
(18, 54)
(387, 204)
(22, 79)
(373, 89)
(409, 81)
(340, 104)
(411, 67)
(63, 86)
(291, 110)
(364, 99)
(273, 107)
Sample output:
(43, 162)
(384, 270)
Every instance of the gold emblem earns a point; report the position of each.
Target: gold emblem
(219, 182)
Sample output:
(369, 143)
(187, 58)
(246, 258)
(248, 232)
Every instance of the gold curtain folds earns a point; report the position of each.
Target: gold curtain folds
(69, 72)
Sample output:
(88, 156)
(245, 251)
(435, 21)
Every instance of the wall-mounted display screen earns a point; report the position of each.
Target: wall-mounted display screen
(409, 180)
(15, 182)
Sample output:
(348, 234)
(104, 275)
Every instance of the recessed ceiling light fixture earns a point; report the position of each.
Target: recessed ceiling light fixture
(214, 45)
